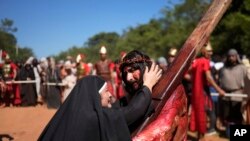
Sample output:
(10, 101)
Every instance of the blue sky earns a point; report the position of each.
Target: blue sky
(51, 26)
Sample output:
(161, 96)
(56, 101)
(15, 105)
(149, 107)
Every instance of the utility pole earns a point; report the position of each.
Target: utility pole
(16, 50)
(1, 52)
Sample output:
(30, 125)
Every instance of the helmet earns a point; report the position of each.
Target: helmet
(7, 56)
(103, 50)
(172, 52)
(208, 47)
(79, 57)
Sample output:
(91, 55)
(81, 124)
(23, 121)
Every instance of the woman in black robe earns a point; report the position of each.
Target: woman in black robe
(82, 118)
(28, 90)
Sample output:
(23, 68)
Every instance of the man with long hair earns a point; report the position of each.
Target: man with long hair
(139, 75)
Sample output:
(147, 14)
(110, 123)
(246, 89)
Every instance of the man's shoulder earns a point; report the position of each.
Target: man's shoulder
(110, 61)
(200, 61)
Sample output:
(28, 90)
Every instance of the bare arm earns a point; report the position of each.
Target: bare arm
(213, 83)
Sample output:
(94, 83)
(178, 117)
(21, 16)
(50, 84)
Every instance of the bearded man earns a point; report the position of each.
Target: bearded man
(139, 75)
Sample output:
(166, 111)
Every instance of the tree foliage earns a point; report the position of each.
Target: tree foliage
(234, 30)
(7, 26)
(8, 41)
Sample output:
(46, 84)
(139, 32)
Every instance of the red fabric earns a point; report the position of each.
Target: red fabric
(172, 123)
(110, 88)
(17, 96)
(4, 53)
(17, 92)
(118, 82)
(87, 69)
(110, 85)
(112, 66)
(120, 91)
(13, 68)
(10, 95)
(118, 74)
(198, 101)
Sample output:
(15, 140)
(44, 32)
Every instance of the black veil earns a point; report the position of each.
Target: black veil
(81, 117)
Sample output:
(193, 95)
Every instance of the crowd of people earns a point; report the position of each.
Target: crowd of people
(218, 91)
(46, 82)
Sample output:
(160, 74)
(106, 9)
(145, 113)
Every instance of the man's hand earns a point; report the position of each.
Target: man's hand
(151, 77)
(221, 92)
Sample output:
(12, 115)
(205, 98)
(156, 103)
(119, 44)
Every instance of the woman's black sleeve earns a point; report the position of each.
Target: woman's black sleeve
(138, 105)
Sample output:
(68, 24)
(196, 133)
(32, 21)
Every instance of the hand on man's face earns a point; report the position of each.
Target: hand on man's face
(152, 76)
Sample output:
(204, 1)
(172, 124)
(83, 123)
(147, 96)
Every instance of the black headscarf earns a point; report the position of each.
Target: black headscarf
(82, 118)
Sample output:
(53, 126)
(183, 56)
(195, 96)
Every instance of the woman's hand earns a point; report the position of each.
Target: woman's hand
(152, 76)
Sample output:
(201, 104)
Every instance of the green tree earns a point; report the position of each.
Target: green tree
(234, 30)
(7, 26)
(145, 38)
(179, 21)
(102, 39)
(173, 28)
(23, 54)
(8, 41)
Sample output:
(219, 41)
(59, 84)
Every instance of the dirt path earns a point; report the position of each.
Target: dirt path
(23, 123)
(27, 123)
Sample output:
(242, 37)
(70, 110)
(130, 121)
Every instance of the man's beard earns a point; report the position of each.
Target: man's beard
(134, 86)
(232, 63)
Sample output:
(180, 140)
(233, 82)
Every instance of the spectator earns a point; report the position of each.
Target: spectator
(105, 68)
(232, 105)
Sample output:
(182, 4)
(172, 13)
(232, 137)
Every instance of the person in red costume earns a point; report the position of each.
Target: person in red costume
(11, 94)
(105, 68)
(82, 67)
(201, 101)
